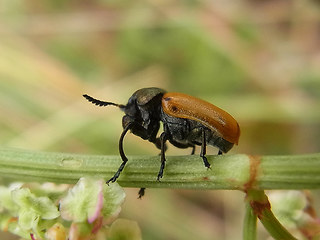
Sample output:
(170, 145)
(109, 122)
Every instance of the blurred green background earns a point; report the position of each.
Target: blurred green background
(258, 60)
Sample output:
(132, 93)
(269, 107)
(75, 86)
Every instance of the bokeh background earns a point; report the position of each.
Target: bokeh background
(259, 60)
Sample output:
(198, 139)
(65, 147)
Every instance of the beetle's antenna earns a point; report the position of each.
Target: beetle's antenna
(101, 103)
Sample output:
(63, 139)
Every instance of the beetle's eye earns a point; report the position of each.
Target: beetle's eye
(126, 120)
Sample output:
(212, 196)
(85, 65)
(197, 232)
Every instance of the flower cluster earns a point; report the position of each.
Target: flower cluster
(60, 212)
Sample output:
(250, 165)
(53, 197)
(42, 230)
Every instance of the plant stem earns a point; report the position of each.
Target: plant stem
(238, 171)
(250, 224)
(261, 207)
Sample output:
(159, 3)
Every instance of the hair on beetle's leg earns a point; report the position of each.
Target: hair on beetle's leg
(141, 192)
(122, 155)
(204, 149)
(163, 139)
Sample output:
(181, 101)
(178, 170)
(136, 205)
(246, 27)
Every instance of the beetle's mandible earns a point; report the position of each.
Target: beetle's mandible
(187, 122)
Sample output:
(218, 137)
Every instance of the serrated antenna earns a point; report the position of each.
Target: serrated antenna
(101, 103)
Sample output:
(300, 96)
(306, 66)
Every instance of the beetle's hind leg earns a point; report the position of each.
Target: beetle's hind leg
(204, 149)
(141, 193)
(122, 154)
(193, 149)
(163, 139)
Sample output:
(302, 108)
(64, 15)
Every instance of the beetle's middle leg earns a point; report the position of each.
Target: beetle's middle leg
(163, 139)
(156, 140)
(204, 149)
(157, 143)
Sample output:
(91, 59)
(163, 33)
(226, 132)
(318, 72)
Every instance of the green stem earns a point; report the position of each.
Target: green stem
(238, 171)
(261, 207)
(273, 226)
(251, 174)
(250, 224)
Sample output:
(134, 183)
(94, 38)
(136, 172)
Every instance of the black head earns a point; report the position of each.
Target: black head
(142, 111)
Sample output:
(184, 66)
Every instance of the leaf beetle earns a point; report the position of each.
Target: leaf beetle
(187, 122)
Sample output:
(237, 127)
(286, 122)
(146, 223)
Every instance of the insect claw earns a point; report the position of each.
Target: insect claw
(159, 177)
(113, 179)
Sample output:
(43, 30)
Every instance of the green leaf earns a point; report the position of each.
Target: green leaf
(41, 206)
(31, 210)
(113, 198)
(28, 219)
(91, 198)
(6, 202)
(84, 199)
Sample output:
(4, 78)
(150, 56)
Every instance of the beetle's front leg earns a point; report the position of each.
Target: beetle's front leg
(204, 149)
(163, 139)
(122, 154)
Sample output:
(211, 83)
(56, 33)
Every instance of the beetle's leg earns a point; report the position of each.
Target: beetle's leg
(204, 149)
(153, 137)
(220, 152)
(122, 155)
(163, 139)
(141, 192)
(193, 149)
(157, 143)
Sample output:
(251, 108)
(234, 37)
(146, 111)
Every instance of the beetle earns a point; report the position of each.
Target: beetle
(187, 121)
